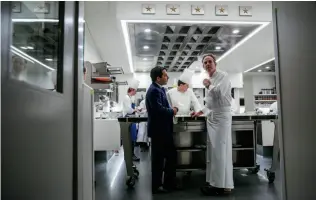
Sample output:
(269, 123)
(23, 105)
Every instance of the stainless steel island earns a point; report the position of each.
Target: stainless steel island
(190, 140)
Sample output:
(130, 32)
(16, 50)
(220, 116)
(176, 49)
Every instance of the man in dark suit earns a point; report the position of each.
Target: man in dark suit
(160, 130)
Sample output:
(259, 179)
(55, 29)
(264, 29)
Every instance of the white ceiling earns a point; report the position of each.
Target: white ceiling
(105, 40)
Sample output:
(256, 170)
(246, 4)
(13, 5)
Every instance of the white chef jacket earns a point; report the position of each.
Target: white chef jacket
(274, 108)
(127, 105)
(218, 94)
(183, 101)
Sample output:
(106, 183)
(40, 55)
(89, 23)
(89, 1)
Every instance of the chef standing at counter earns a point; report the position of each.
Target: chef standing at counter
(219, 172)
(182, 96)
(142, 136)
(129, 109)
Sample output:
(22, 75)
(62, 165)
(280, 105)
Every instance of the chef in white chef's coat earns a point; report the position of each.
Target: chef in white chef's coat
(142, 136)
(276, 144)
(219, 172)
(182, 96)
(129, 108)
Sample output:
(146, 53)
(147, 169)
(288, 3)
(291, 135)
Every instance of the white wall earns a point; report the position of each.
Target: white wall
(261, 82)
(132, 10)
(91, 52)
(253, 85)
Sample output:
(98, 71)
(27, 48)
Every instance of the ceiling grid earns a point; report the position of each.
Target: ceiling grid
(177, 46)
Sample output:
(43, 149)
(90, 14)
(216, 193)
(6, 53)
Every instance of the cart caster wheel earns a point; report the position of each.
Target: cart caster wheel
(271, 176)
(131, 182)
(255, 170)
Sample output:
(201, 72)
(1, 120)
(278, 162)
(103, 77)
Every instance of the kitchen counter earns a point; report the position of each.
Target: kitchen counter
(236, 117)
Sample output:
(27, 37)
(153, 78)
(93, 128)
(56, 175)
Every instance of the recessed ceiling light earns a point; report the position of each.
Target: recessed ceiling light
(23, 47)
(29, 47)
(267, 67)
(145, 59)
(259, 70)
(146, 47)
(235, 31)
(48, 59)
(147, 30)
(218, 48)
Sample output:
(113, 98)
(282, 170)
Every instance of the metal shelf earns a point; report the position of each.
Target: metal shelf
(242, 149)
(265, 94)
(191, 149)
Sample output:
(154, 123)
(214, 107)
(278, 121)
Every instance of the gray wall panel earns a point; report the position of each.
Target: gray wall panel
(295, 30)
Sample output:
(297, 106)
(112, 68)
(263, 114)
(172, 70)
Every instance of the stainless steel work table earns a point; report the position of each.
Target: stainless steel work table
(190, 140)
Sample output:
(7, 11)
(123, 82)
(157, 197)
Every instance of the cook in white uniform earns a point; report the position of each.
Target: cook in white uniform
(219, 172)
(182, 96)
(142, 136)
(128, 109)
(276, 145)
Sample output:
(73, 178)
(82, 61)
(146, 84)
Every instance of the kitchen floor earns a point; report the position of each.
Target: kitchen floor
(110, 183)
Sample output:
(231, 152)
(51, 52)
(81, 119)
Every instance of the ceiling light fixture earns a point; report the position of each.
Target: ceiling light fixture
(147, 30)
(145, 59)
(124, 24)
(267, 67)
(31, 58)
(259, 70)
(146, 47)
(23, 48)
(18, 54)
(235, 31)
(218, 48)
(49, 59)
(29, 47)
(259, 65)
(35, 20)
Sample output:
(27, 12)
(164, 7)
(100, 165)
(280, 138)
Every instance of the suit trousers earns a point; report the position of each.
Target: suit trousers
(163, 159)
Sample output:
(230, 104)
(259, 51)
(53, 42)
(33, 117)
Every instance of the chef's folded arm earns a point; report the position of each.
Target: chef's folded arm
(220, 89)
(156, 104)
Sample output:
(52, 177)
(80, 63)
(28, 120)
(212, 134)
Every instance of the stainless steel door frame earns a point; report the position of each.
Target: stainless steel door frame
(39, 151)
(295, 47)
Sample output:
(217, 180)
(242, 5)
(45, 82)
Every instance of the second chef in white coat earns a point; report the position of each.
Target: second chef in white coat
(182, 96)
(142, 136)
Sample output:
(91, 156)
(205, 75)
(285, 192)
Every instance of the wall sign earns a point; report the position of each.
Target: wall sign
(173, 9)
(42, 8)
(16, 7)
(245, 10)
(148, 9)
(221, 10)
(197, 10)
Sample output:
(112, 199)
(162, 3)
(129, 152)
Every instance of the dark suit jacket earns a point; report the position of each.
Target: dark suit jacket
(160, 114)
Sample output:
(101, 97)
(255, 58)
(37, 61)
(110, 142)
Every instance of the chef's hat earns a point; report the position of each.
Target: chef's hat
(186, 76)
(134, 84)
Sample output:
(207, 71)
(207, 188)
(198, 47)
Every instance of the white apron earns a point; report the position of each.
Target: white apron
(142, 132)
(142, 135)
(219, 172)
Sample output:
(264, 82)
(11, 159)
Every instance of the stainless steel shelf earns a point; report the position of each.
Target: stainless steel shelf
(242, 149)
(191, 149)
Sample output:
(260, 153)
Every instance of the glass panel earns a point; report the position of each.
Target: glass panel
(37, 44)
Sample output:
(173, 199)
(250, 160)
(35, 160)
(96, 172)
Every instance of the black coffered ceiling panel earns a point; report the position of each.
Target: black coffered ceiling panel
(179, 45)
